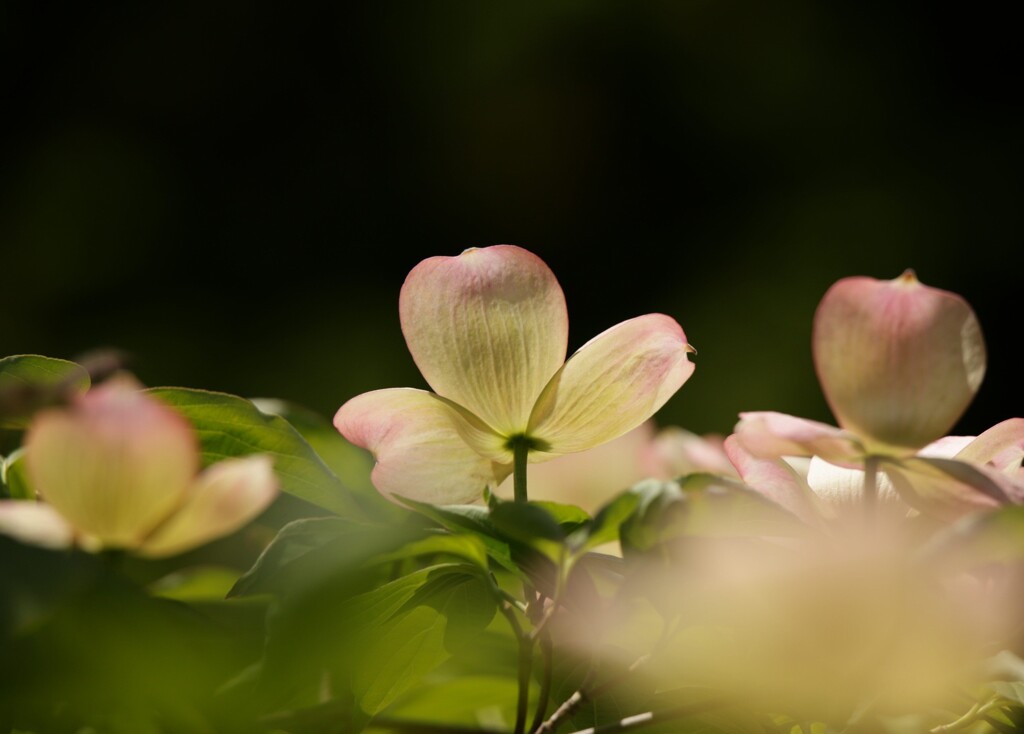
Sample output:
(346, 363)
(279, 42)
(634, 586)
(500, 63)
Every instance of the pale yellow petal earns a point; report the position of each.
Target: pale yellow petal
(1001, 446)
(115, 464)
(842, 488)
(35, 523)
(420, 450)
(947, 488)
(589, 479)
(487, 329)
(222, 499)
(615, 382)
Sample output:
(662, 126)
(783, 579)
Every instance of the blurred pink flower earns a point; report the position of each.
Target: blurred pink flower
(898, 362)
(118, 469)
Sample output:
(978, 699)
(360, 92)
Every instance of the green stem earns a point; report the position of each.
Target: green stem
(520, 452)
(870, 489)
(525, 666)
(547, 651)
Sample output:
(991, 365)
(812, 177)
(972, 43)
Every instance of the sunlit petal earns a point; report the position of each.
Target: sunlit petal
(591, 478)
(767, 434)
(114, 465)
(222, 499)
(842, 488)
(946, 488)
(615, 382)
(775, 479)
(487, 329)
(35, 523)
(421, 452)
(1002, 446)
(898, 361)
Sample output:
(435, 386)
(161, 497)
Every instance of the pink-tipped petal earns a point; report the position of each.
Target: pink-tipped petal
(35, 523)
(487, 329)
(420, 450)
(222, 499)
(115, 464)
(774, 479)
(1001, 446)
(768, 435)
(675, 452)
(615, 382)
(898, 361)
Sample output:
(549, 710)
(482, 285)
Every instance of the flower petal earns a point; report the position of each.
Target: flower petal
(842, 488)
(774, 479)
(35, 523)
(946, 488)
(615, 382)
(418, 441)
(115, 464)
(487, 329)
(590, 479)
(768, 435)
(676, 452)
(1002, 446)
(898, 361)
(222, 499)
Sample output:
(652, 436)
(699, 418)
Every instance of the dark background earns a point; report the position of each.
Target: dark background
(233, 192)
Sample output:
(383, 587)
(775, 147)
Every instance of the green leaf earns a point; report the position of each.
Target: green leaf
(1010, 690)
(469, 519)
(530, 524)
(199, 583)
(467, 547)
(604, 528)
(308, 553)
(230, 426)
(569, 517)
(702, 505)
(29, 382)
(14, 478)
(351, 464)
(465, 700)
(410, 626)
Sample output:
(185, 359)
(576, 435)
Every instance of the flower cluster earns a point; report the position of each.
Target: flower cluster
(793, 575)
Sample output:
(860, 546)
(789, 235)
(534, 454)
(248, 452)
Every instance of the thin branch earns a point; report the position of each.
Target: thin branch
(585, 694)
(650, 718)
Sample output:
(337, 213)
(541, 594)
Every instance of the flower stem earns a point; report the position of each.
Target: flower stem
(520, 452)
(870, 489)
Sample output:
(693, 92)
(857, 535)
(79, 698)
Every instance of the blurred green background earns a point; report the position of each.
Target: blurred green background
(232, 192)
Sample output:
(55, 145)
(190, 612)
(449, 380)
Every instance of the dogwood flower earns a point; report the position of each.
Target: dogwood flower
(118, 469)
(898, 363)
(488, 330)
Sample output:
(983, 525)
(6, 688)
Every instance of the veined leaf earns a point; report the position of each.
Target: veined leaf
(410, 626)
(307, 553)
(230, 426)
(13, 477)
(351, 464)
(29, 382)
(469, 519)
